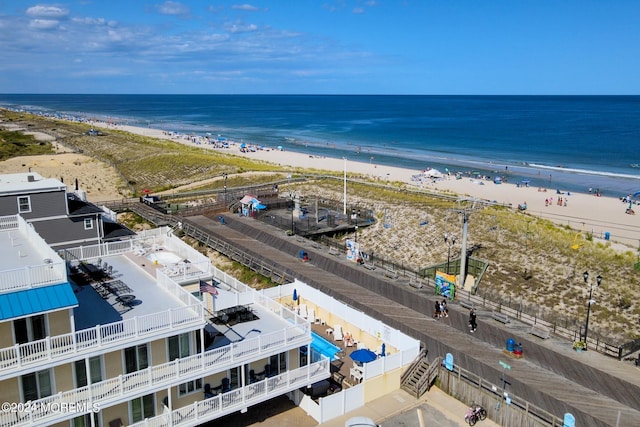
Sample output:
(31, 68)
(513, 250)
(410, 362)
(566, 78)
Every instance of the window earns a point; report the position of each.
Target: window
(24, 204)
(88, 224)
(95, 370)
(29, 329)
(142, 408)
(190, 387)
(197, 294)
(85, 420)
(136, 358)
(179, 346)
(36, 385)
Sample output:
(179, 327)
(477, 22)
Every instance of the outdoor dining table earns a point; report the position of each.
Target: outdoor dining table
(125, 300)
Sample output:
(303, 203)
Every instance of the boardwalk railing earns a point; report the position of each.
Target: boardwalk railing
(560, 326)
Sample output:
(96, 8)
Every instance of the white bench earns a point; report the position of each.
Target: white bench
(416, 284)
(500, 317)
(391, 274)
(540, 331)
(334, 251)
(369, 266)
(466, 304)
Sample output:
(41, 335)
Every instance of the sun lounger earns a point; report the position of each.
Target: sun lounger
(337, 333)
(302, 311)
(311, 316)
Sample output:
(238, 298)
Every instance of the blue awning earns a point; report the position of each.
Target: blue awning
(36, 300)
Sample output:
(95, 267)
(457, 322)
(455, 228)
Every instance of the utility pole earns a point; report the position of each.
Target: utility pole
(465, 211)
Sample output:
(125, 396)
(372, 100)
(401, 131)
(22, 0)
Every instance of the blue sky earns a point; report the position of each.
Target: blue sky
(320, 47)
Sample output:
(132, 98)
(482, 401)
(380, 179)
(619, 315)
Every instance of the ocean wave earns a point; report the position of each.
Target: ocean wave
(584, 171)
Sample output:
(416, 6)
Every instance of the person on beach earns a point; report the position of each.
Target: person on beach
(473, 325)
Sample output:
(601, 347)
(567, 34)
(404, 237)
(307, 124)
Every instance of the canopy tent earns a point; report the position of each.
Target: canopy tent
(433, 173)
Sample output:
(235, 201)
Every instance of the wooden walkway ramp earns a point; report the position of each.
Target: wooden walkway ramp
(596, 389)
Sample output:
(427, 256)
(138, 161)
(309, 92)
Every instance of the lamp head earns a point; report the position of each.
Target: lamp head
(598, 279)
(586, 276)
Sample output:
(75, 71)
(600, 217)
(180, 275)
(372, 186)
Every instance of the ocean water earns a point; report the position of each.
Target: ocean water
(565, 142)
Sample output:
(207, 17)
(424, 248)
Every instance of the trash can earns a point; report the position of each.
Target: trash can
(607, 235)
(511, 343)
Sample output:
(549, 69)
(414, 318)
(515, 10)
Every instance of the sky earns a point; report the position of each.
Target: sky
(412, 47)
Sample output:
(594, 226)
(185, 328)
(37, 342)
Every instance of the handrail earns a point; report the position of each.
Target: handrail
(60, 347)
(168, 374)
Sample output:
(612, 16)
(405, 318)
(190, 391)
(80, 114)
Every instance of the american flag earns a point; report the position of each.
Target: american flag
(206, 288)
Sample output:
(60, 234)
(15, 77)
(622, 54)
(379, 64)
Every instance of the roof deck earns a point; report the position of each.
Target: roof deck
(115, 288)
(26, 261)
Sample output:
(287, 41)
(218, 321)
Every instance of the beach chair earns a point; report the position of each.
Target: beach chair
(302, 311)
(337, 333)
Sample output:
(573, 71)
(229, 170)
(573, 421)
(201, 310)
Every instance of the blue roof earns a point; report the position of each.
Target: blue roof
(36, 300)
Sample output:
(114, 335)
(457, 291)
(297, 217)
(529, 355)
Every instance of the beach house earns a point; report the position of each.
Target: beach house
(62, 217)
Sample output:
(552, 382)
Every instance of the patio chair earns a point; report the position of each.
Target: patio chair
(207, 391)
(337, 333)
(302, 311)
(226, 385)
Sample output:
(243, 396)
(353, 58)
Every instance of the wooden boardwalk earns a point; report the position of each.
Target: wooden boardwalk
(596, 389)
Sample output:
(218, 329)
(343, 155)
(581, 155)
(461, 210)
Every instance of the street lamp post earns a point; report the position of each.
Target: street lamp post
(589, 302)
(225, 188)
(292, 195)
(450, 240)
(356, 234)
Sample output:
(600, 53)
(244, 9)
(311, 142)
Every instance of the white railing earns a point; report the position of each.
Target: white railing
(234, 400)
(33, 276)
(10, 222)
(100, 337)
(125, 387)
(51, 271)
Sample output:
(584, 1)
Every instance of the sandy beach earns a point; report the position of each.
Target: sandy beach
(582, 211)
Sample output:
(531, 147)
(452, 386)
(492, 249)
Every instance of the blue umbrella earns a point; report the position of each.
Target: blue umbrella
(295, 294)
(383, 350)
(363, 356)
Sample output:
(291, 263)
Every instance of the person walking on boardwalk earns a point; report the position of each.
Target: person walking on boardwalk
(473, 325)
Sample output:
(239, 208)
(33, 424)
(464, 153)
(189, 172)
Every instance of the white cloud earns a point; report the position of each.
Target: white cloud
(241, 28)
(46, 11)
(246, 7)
(43, 24)
(172, 8)
(358, 10)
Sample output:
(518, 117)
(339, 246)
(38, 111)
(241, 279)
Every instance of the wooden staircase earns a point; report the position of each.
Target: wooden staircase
(418, 378)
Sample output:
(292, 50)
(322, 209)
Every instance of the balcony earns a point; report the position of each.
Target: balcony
(26, 357)
(129, 386)
(236, 400)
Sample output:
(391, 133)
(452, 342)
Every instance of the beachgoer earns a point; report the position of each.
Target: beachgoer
(546, 202)
(473, 325)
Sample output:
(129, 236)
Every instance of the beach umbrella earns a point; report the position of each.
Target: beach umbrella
(383, 350)
(363, 356)
(295, 294)
(243, 145)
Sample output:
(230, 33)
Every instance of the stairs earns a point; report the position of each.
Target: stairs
(418, 378)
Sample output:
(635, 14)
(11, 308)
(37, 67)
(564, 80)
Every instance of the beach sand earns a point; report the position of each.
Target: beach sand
(583, 212)
(553, 264)
(100, 181)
